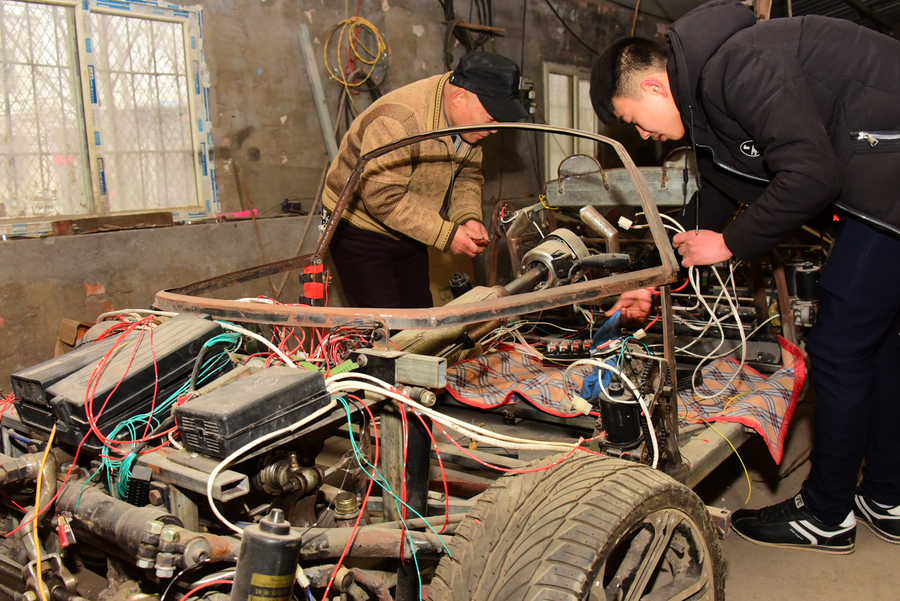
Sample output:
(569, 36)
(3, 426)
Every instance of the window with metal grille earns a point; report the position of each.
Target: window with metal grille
(103, 112)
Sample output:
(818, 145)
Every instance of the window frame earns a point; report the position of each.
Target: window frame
(577, 76)
(197, 80)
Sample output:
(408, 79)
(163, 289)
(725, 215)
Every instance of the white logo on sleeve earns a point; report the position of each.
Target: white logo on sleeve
(749, 149)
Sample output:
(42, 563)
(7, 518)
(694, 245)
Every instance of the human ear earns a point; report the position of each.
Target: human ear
(653, 85)
(459, 97)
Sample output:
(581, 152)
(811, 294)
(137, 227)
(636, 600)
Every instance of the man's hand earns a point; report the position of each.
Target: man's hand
(477, 232)
(704, 248)
(635, 306)
(463, 243)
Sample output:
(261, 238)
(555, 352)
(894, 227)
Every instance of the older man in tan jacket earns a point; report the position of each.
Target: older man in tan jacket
(426, 194)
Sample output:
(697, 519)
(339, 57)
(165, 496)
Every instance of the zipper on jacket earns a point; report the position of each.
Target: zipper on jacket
(873, 138)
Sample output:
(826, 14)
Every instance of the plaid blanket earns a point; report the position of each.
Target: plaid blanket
(764, 404)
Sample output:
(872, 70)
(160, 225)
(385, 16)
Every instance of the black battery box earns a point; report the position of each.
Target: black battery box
(30, 385)
(143, 372)
(221, 422)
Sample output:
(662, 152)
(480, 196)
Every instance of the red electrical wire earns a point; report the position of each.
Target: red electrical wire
(94, 381)
(205, 585)
(437, 452)
(405, 441)
(514, 471)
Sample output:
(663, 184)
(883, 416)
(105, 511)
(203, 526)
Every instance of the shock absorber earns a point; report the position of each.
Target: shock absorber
(267, 560)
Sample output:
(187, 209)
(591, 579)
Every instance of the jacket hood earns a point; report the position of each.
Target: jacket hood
(706, 27)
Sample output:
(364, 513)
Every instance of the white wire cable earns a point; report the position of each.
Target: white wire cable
(174, 442)
(637, 395)
(247, 447)
(103, 316)
(462, 427)
(287, 360)
(737, 318)
(386, 389)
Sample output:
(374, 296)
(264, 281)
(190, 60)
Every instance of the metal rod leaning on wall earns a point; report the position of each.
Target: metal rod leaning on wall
(312, 71)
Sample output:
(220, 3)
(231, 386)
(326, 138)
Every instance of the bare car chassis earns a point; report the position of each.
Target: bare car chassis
(588, 527)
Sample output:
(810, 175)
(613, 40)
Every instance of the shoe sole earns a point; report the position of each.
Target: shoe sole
(877, 531)
(812, 548)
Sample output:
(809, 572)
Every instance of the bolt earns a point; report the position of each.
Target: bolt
(194, 455)
(155, 497)
(29, 596)
(165, 572)
(154, 527)
(428, 398)
(362, 360)
(169, 536)
(144, 563)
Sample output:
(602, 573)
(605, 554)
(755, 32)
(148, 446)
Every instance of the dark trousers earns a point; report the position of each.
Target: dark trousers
(378, 271)
(855, 352)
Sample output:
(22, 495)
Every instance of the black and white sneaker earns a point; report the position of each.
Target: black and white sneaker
(882, 520)
(792, 525)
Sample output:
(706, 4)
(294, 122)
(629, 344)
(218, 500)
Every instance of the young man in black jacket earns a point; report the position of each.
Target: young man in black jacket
(787, 117)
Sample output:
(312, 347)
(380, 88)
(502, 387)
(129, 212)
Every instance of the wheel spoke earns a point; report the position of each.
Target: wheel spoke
(663, 524)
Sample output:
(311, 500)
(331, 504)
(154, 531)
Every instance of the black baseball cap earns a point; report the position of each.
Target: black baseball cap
(495, 80)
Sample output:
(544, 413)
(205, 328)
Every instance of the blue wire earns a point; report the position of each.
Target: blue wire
(124, 464)
(381, 480)
(360, 458)
(311, 598)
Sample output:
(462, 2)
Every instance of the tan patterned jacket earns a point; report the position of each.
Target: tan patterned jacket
(408, 191)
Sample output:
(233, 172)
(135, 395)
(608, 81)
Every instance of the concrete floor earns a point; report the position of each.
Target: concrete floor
(761, 573)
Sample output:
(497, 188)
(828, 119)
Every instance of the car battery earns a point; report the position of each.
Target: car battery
(219, 423)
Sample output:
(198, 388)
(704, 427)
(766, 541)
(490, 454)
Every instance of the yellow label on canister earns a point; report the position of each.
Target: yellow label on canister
(264, 587)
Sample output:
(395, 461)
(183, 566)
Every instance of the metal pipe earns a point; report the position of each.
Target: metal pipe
(602, 226)
(315, 82)
(370, 541)
(33, 516)
(110, 519)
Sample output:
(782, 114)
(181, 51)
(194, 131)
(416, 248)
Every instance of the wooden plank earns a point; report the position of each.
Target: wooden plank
(91, 225)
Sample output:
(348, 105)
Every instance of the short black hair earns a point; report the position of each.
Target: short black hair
(611, 76)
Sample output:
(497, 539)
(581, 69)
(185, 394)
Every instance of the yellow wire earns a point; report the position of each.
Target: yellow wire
(37, 513)
(746, 472)
(543, 200)
(351, 27)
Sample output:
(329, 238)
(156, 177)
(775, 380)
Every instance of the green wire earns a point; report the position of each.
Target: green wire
(123, 465)
(379, 478)
(386, 487)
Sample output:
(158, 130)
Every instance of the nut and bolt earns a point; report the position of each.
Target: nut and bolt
(155, 497)
(169, 536)
(154, 527)
(428, 398)
(144, 563)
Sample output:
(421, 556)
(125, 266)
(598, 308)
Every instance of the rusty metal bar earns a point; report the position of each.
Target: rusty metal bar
(180, 299)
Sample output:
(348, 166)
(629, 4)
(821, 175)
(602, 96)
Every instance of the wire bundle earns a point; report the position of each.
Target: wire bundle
(353, 29)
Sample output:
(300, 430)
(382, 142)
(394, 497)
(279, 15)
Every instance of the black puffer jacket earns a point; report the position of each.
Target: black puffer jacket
(788, 116)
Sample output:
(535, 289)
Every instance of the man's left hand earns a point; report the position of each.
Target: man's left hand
(703, 248)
